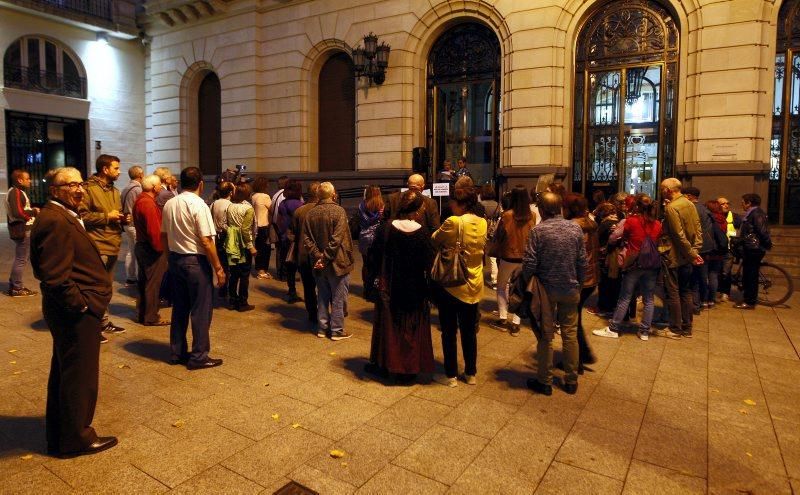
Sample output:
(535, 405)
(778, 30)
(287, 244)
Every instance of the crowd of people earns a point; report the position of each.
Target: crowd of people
(546, 252)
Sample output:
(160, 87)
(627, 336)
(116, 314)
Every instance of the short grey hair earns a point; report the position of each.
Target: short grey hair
(163, 173)
(60, 174)
(136, 172)
(326, 190)
(672, 184)
(151, 182)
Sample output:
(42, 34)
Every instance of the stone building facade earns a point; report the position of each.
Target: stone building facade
(603, 94)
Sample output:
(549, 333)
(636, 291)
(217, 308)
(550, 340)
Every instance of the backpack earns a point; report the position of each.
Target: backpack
(648, 258)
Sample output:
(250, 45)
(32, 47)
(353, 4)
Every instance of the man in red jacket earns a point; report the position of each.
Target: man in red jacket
(149, 251)
(20, 218)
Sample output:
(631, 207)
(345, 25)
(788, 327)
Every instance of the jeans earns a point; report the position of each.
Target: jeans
(565, 307)
(700, 283)
(239, 283)
(192, 298)
(455, 315)
(646, 279)
(21, 249)
(751, 263)
(678, 286)
(714, 271)
(725, 275)
(493, 270)
(504, 269)
(264, 249)
(130, 258)
(333, 290)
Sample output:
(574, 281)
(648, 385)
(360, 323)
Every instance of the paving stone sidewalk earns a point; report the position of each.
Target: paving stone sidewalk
(715, 414)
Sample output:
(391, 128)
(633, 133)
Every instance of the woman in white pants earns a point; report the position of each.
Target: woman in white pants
(511, 236)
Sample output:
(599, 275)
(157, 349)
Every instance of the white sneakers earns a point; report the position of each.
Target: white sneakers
(452, 382)
(606, 332)
(470, 379)
(643, 335)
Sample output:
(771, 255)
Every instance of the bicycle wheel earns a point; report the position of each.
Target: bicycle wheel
(774, 285)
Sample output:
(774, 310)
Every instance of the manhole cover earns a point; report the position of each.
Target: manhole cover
(294, 488)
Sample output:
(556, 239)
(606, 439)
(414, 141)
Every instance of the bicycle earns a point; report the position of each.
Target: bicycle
(775, 285)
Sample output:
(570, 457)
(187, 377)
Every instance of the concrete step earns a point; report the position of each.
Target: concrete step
(786, 249)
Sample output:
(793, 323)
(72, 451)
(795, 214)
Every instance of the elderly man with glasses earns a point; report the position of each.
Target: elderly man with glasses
(76, 291)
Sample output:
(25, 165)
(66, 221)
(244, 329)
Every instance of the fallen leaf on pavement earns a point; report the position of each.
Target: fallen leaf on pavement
(344, 464)
(743, 411)
(750, 402)
(12, 362)
(332, 353)
(276, 416)
(749, 454)
(17, 373)
(296, 425)
(337, 454)
(123, 366)
(12, 351)
(178, 424)
(26, 457)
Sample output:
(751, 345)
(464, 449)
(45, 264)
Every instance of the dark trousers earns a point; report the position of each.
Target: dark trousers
(725, 275)
(585, 354)
(608, 292)
(222, 254)
(239, 283)
(700, 283)
(309, 290)
(192, 298)
(280, 258)
(264, 249)
(73, 383)
(152, 266)
(110, 262)
(678, 287)
(751, 262)
(291, 272)
(455, 315)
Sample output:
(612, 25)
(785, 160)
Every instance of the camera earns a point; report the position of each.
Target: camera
(235, 176)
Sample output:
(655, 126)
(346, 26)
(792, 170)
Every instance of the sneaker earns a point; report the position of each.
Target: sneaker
(103, 338)
(499, 324)
(245, 307)
(321, 334)
(451, 382)
(710, 304)
(22, 292)
(743, 305)
(514, 330)
(292, 298)
(111, 328)
(686, 335)
(643, 335)
(665, 332)
(570, 388)
(606, 332)
(263, 276)
(340, 336)
(470, 379)
(705, 305)
(724, 298)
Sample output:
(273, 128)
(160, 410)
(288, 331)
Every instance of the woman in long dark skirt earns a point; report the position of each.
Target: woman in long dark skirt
(401, 333)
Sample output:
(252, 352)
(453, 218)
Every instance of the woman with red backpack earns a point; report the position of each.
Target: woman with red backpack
(641, 265)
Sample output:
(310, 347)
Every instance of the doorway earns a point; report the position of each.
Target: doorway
(463, 100)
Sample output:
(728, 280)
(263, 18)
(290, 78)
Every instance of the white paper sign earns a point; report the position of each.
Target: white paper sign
(441, 189)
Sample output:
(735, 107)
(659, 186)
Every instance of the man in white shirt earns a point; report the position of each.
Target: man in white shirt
(187, 228)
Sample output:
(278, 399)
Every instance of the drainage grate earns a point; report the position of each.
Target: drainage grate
(294, 488)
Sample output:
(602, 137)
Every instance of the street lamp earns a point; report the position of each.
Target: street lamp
(372, 60)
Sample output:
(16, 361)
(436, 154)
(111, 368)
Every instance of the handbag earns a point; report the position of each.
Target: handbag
(16, 230)
(450, 264)
(495, 242)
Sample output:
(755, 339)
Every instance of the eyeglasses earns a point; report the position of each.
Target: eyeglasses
(72, 185)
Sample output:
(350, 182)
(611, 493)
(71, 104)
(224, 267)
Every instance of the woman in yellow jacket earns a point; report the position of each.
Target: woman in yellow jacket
(458, 306)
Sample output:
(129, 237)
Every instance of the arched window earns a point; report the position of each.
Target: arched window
(337, 114)
(209, 119)
(625, 96)
(43, 65)
(784, 175)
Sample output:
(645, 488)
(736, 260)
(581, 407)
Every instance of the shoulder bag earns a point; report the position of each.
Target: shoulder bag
(450, 265)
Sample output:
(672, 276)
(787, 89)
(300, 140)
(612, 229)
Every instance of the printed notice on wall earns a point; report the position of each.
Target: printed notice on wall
(441, 189)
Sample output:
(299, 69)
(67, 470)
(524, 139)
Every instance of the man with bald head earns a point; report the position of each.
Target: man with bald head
(149, 251)
(555, 254)
(685, 239)
(429, 217)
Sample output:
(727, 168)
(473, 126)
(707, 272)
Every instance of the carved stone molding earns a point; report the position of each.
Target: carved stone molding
(172, 13)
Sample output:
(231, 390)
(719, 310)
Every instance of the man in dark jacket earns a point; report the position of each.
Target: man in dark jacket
(75, 293)
(326, 237)
(556, 254)
(101, 212)
(700, 272)
(757, 241)
(733, 221)
(301, 254)
(429, 217)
